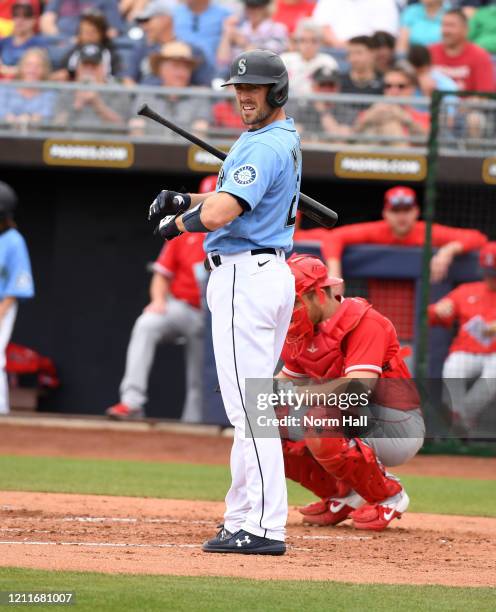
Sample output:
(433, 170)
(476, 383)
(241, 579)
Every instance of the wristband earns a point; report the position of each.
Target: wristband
(192, 221)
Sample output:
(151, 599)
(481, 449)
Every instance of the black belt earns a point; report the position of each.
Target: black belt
(217, 260)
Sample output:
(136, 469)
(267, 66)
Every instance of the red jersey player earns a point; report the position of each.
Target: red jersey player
(472, 353)
(331, 338)
(174, 312)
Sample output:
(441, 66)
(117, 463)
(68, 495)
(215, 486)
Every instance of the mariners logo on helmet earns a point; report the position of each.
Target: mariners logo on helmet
(242, 66)
(262, 67)
(245, 175)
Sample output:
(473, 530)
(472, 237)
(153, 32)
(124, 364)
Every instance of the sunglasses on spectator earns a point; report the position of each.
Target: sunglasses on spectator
(396, 85)
(310, 41)
(22, 11)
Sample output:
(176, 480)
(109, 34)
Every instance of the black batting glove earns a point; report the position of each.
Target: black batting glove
(167, 228)
(169, 203)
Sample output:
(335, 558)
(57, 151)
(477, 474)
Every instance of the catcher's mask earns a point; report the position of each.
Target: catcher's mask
(310, 275)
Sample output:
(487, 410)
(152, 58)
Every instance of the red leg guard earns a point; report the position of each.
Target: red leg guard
(354, 463)
(301, 467)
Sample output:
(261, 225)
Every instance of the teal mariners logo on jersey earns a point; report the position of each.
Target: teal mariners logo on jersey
(245, 175)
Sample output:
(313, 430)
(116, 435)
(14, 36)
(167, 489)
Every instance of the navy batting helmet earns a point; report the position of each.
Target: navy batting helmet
(260, 67)
(8, 200)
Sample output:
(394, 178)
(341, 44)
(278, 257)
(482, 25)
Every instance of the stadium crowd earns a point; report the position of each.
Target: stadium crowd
(390, 48)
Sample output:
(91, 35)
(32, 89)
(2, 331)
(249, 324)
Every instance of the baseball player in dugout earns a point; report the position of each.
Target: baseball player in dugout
(16, 280)
(174, 313)
(249, 221)
(348, 350)
(400, 226)
(472, 355)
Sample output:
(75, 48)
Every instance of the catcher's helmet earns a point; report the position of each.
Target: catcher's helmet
(310, 273)
(260, 67)
(8, 200)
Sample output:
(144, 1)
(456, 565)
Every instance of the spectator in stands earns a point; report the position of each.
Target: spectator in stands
(306, 58)
(362, 77)
(345, 19)
(16, 280)
(316, 119)
(421, 24)
(292, 12)
(26, 106)
(23, 37)
(253, 30)
(472, 354)
(482, 28)
(130, 9)
(174, 312)
(467, 64)
(384, 45)
(428, 78)
(61, 17)
(200, 23)
(87, 108)
(401, 227)
(396, 122)
(174, 65)
(157, 23)
(93, 30)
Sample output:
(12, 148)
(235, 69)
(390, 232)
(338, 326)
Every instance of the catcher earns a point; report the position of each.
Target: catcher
(345, 341)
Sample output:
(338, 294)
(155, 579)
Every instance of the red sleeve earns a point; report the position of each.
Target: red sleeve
(469, 238)
(290, 366)
(483, 72)
(359, 233)
(435, 319)
(365, 348)
(165, 263)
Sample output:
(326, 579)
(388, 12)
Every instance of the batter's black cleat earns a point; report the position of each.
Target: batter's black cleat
(221, 536)
(245, 543)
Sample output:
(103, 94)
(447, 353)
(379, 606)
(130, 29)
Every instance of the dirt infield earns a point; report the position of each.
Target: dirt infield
(163, 446)
(151, 536)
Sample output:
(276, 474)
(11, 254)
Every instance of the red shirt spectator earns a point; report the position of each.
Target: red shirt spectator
(400, 227)
(290, 12)
(467, 64)
(226, 115)
(177, 261)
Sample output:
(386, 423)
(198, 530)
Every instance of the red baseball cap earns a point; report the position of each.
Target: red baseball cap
(310, 272)
(487, 258)
(399, 197)
(208, 184)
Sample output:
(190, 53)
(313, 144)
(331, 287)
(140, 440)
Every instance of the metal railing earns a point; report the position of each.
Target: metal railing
(324, 120)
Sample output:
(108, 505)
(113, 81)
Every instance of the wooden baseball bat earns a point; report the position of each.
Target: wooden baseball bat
(309, 207)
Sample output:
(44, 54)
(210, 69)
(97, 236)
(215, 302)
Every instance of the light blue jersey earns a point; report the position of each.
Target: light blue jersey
(16, 279)
(263, 169)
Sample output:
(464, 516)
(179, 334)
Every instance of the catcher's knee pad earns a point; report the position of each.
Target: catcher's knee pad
(354, 463)
(300, 466)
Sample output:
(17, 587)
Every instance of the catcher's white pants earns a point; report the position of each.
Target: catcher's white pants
(459, 370)
(6, 327)
(251, 309)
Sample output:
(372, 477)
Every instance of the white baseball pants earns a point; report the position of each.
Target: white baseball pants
(6, 327)
(251, 298)
(459, 370)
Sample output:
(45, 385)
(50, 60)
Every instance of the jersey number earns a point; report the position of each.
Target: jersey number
(291, 219)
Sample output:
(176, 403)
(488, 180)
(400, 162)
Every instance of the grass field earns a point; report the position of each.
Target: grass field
(209, 482)
(95, 592)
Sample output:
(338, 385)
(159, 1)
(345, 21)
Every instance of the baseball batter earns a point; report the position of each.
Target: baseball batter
(249, 223)
(16, 280)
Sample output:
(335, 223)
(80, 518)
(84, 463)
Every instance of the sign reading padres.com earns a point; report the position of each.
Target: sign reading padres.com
(356, 165)
(88, 153)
